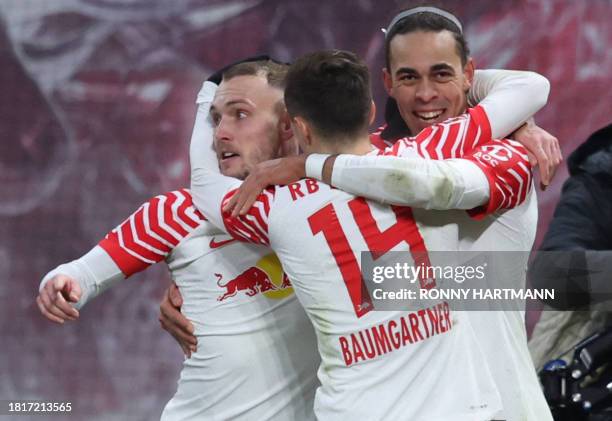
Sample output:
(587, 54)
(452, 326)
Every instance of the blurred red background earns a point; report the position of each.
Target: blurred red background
(97, 107)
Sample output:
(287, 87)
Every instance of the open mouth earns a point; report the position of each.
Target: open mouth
(428, 116)
(228, 155)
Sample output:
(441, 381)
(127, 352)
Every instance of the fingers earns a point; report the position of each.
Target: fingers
(551, 159)
(544, 165)
(246, 196)
(183, 339)
(52, 309)
(61, 305)
(556, 154)
(240, 197)
(552, 166)
(46, 313)
(280, 171)
(544, 147)
(51, 299)
(247, 201)
(62, 289)
(533, 161)
(72, 291)
(229, 206)
(175, 323)
(174, 294)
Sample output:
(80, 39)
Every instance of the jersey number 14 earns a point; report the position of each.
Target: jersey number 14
(379, 242)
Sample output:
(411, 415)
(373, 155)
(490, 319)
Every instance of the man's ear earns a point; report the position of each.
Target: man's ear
(304, 129)
(288, 142)
(468, 72)
(372, 113)
(387, 81)
(285, 131)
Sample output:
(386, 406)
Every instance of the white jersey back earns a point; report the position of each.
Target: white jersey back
(502, 333)
(256, 356)
(509, 224)
(391, 365)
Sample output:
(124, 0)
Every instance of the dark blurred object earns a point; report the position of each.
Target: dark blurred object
(575, 259)
(582, 390)
(580, 227)
(396, 126)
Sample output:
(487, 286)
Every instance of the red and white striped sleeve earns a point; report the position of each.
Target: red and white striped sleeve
(151, 233)
(252, 227)
(377, 140)
(450, 139)
(506, 165)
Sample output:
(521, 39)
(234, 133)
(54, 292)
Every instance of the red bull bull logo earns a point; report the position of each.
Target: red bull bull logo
(266, 277)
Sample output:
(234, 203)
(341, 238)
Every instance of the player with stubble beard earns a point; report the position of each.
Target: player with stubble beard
(236, 295)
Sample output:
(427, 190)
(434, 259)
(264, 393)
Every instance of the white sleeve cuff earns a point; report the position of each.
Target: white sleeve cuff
(95, 272)
(314, 165)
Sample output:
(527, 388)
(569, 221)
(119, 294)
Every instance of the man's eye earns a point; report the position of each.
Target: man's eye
(215, 120)
(443, 76)
(407, 78)
(241, 114)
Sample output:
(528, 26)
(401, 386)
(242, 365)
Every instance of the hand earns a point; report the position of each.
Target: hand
(173, 321)
(543, 150)
(280, 171)
(54, 298)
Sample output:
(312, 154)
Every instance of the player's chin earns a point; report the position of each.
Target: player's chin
(416, 125)
(234, 169)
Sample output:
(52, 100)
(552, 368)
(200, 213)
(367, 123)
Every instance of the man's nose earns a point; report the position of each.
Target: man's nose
(223, 130)
(426, 91)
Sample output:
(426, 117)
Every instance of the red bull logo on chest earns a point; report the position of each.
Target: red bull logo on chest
(266, 277)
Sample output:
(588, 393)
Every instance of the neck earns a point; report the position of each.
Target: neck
(360, 146)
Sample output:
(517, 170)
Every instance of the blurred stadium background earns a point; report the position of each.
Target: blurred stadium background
(96, 110)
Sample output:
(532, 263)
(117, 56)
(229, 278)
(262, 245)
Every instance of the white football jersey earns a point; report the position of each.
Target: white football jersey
(256, 357)
(502, 333)
(508, 224)
(413, 365)
(419, 365)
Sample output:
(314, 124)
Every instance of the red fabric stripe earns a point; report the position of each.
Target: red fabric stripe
(168, 216)
(128, 264)
(479, 119)
(189, 197)
(494, 200)
(154, 222)
(235, 226)
(424, 134)
(255, 235)
(142, 235)
(254, 212)
(377, 141)
(182, 214)
(452, 139)
(130, 243)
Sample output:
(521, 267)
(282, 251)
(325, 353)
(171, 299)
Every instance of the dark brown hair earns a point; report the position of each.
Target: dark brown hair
(331, 90)
(428, 22)
(274, 72)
